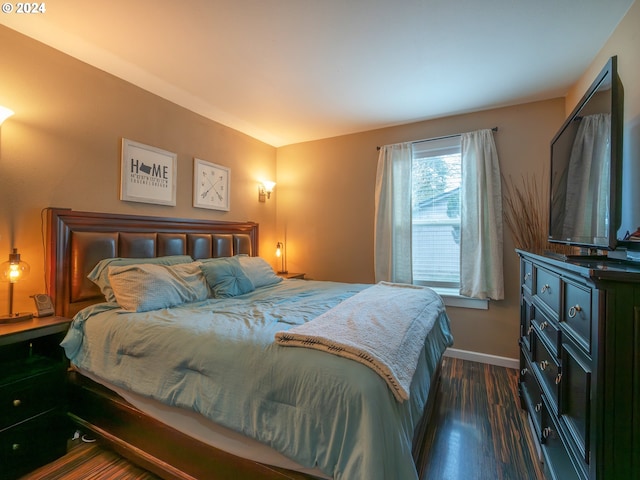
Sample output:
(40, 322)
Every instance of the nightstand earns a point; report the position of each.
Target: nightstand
(291, 275)
(33, 420)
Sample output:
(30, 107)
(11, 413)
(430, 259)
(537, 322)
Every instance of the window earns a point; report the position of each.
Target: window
(436, 177)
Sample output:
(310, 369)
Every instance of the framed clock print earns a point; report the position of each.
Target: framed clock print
(211, 185)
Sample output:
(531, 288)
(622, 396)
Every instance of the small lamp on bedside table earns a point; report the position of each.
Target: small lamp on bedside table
(13, 271)
(281, 255)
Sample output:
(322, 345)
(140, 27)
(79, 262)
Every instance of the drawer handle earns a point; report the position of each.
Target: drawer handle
(558, 378)
(544, 364)
(17, 402)
(538, 407)
(573, 311)
(546, 432)
(544, 325)
(529, 330)
(527, 276)
(524, 371)
(545, 288)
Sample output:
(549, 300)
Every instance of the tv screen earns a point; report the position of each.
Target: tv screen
(585, 167)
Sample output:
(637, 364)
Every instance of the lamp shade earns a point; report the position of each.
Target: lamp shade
(15, 269)
(5, 113)
(280, 253)
(268, 186)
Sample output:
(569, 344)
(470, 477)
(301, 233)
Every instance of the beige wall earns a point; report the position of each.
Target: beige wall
(326, 206)
(62, 149)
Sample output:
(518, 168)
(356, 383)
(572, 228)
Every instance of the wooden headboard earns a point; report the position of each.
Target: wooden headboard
(77, 241)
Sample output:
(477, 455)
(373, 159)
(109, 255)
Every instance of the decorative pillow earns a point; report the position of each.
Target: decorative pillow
(226, 277)
(259, 271)
(100, 273)
(144, 287)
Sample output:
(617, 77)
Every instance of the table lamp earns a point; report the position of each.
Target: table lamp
(13, 271)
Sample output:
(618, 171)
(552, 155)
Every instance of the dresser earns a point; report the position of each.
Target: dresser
(580, 365)
(33, 421)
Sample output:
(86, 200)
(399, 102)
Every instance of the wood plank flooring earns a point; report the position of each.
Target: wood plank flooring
(478, 433)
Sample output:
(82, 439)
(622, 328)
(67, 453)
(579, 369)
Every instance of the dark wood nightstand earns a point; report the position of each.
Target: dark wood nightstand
(291, 275)
(33, 420)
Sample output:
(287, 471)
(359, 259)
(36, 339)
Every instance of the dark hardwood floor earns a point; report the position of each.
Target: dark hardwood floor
(478, 433)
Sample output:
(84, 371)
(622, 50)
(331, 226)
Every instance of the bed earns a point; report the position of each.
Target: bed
(238, 401)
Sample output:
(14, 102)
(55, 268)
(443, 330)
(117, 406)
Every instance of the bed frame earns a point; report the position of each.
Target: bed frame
(76, 241)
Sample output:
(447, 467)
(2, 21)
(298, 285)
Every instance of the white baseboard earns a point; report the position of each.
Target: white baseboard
(483, 358)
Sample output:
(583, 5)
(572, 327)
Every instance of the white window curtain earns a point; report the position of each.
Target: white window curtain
(481, 274)
(392, 241)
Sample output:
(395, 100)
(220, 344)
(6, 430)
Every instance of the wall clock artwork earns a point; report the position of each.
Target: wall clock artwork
(211, 185)
(147, 174)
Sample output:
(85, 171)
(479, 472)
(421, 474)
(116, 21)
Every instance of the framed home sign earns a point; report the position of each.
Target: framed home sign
(211, 185)
(148, 174)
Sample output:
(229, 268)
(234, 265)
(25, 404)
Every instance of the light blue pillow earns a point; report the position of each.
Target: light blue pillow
(259, 271)
(100, 273)
(144, 287)
(226, 277)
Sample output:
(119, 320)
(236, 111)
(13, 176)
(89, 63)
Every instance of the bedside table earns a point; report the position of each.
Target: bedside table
(33, 419)
(291, 275)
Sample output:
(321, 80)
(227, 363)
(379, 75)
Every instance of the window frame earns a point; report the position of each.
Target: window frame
(449, 291)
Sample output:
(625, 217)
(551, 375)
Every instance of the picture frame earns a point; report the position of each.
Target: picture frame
(211, 185)
(147, 174)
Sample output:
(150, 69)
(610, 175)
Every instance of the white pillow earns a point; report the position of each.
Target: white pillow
(144, 287)
(258, 270)
(100, 273)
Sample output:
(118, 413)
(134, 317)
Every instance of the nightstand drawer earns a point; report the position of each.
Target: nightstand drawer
(33, 443)
(24, 398)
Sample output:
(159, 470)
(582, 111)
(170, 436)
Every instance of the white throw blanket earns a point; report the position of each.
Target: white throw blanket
(383, 327)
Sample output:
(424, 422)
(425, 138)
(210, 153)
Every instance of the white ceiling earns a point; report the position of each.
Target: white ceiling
(287, 71)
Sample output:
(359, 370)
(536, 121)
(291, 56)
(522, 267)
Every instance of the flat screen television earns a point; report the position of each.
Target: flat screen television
(586, 164)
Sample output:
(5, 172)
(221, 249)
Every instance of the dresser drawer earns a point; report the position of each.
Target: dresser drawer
(527, 311)
(530, 393)
(576, 314)
(547, 368)
(548, 289)
(548, 329)
(575, 399)
(26, 397)
(558, 461)
(28, 445)
(526, 272)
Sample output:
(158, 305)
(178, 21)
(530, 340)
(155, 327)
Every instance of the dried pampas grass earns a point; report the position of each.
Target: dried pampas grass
(526, 214)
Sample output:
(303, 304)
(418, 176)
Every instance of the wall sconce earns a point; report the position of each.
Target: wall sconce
(5, 113)
(13, 271)
(280, 253)
(264, 190)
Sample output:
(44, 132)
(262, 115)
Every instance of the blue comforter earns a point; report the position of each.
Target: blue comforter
(219, 358)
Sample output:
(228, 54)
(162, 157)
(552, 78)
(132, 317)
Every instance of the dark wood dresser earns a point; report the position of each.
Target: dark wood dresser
(580, 365)
(33, 421)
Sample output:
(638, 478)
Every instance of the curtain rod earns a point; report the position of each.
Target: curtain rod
(494, 129)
